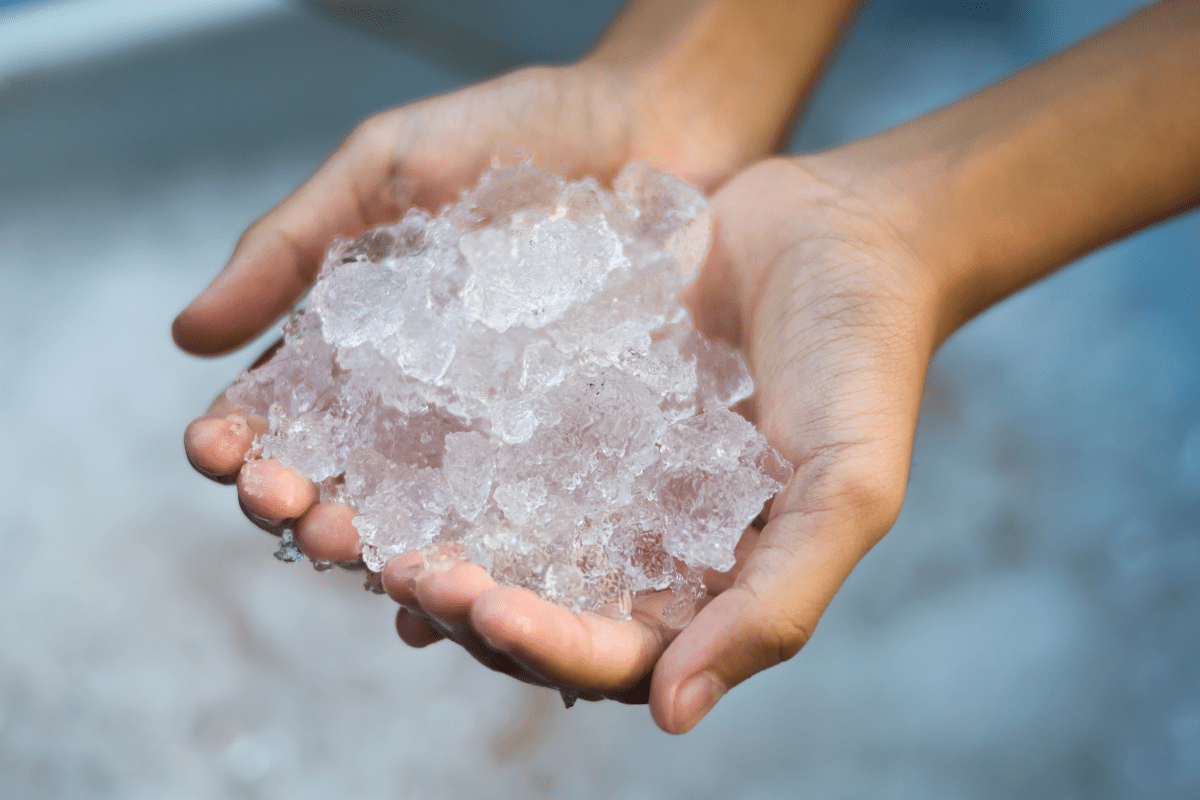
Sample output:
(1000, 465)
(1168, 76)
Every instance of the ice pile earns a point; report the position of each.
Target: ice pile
(515, 381)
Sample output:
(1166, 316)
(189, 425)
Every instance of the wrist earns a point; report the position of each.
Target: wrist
(911, 200)
(716, 83)
(1001, 188)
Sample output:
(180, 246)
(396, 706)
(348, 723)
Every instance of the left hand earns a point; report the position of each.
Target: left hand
(838, 320)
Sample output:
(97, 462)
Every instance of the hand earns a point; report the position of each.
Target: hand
(838, 317)
(836, 320)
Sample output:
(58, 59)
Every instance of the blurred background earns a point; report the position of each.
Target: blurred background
(1029, 629)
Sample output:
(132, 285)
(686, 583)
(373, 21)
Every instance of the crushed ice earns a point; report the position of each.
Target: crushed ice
(515, 378)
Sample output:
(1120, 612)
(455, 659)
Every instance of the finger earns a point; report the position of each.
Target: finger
(583, 650)
(278, 256)
(216, 443)
(400, 578)
(272, 491)
(414, 631)
(764, 618)
(326, 532)
(445, 598)
(216, 446)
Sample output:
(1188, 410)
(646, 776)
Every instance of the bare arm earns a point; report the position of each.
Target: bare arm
(1012, 183)
(727, 76)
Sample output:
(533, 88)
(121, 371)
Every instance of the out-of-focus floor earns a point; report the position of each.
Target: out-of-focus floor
(1030, 628)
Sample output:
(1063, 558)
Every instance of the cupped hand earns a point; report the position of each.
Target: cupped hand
(838, 316)
(837, 279)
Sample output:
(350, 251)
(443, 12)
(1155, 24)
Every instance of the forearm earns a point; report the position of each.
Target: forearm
(725, 75)
(1000, 189)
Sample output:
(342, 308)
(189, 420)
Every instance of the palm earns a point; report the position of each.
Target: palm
(835, 317)
(814, 294)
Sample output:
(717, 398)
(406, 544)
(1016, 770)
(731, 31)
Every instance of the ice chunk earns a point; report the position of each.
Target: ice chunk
(469, 464)
(514, 382)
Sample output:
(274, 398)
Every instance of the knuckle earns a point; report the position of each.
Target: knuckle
(252, 232)
(373, 130)
(872, 495)
(781, 637)
(535, 73)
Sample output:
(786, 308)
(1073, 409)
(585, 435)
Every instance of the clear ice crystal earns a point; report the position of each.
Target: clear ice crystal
(514, 381)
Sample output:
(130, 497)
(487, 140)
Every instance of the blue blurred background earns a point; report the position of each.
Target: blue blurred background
(1030, 628)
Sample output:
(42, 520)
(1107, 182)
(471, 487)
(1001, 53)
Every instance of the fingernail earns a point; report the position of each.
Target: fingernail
(197, 302)
(694, 699)
(224, 480)
(275, 526)
(495, 645)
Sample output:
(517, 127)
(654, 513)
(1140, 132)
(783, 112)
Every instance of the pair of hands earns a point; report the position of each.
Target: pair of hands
(835, 312)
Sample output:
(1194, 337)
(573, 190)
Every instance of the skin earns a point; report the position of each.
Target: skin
(839, 275)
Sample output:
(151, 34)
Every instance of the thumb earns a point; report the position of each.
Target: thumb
(279, 255)
(763, 619)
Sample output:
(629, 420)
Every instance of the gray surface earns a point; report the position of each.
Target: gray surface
(1029, 629)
